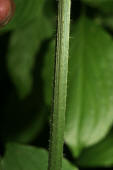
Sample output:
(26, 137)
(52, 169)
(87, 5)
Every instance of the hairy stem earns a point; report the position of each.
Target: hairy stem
(60, 86)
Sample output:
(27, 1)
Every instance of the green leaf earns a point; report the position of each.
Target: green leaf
(90, 86)
(99, 155)
(105, 6)
(23, 46)
(25, 11)
(24, 114)
(89, 113)
(28, 158)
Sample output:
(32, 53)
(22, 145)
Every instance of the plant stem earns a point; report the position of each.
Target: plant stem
(60, 86)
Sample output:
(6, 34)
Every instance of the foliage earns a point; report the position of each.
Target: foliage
(27, 49)
(26, 157)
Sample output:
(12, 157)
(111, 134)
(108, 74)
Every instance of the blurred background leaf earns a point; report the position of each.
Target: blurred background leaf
(99, 155)
(105, 6)
(89, 102)
(26, 10)
(24, 113)
(23, 46)
(27, 158)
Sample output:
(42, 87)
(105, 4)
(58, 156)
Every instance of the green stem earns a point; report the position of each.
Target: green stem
(60, 86)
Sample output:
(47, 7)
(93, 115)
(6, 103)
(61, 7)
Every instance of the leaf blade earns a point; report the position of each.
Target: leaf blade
(89, 101)
(23, 46)
(99, 155)
(26, 157)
